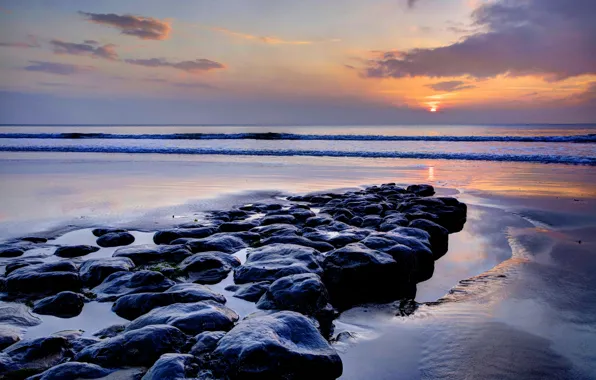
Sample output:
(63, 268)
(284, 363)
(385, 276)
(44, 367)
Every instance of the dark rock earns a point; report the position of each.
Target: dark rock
(275, 261)
(276, 230)
(218, 242)
(373, 209)
(17, 314)
(278, 219)
(144, 254)
(75, 250)
(11, 251)
(425, 262)
(78, 344)
(102, 231)
(236, 226)
(192, 318)
(317, 221)
(42, 279)
(35, 355)
(110, 331)
(301, 214)
(73, 370)
(209, 267)
(167, 236)
(115, 239)
(140, 347)
(94, 271)
(64, 305)
(16, 264)
(9, 335)
(34, 239)
(173, 367)
(371, 221)
(283, 345)
(135, 305)
(439, 236)
(356, 221)
(297, 240)
(206, 342)
(251, 292)
(356, 274)
(378, 242)
(120, 284)
(421, 190)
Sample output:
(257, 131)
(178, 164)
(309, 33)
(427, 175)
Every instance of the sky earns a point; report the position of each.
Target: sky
(297, 62)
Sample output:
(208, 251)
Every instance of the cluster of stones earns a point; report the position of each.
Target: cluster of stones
(306, 261)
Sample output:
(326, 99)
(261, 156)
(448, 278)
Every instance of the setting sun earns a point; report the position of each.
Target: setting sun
(433, 109)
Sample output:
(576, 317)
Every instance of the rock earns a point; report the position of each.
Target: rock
(278, 219)
(110, 331)
(11, 251)
(140, 347)
(192, 318)
(421, 190)
(34, 239)
(42, 279)
(303, 293)
(78, 344)
(301, 214)
(103, 231)
(167, 236)
(64, 305)
(218, 242)
(135, 305)
(378, 242)
(8, 335)
(275, 261)
(94, 271)
(252, 292)
(115, 239)
(120, 284)
(17, 314)
(236, 226)
(439, 236)
(16, 264)
(35, 355)
(209, 267)
(75, 251)
(317, 221)
(173, 367)
(373, 209)
(276, 229)
(206, 342)
(424, 257)
(356, 274)
(297, 240)
(371, 221)
(145, 254)
(73, 370)
(283, 345)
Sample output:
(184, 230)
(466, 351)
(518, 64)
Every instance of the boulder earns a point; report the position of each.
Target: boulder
(139, 347)
(276, 229)
(42, 279)
(439, 236)
(209, 267)
(373, 208)
(123, 283)
(9, 336)
(192, 318)
(75, 251)
(357, 274)
(297, 240)
(145, 253)
(236, 226)
(218, 242)
(167, 236)
(102, 231)
(64, 305)
(283, 345)
(135, 305)
(110, 331)
(17, 314)
(304, 293)
(278, 219)
(73, 370)
(13, 265)
(300, 213)
(316, 221)
(173, 367)
(94, 271)
(115, 239)
(11, 251)
(205, 342)
(275, 261)
(251, 292)
(421, 190)
(34, 239)
(34, 355)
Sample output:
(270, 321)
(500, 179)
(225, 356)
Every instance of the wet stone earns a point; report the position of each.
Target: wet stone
(94, 271)
(75, 251)
(43, 279)
(145, 254)
(276, 230)
(205, 342)
(110, 331)
(120, 284)
(73, 370)
(11, 251)
(115, 239)
(102, 231)
(173, 367)
(64, 305)
(34, 355)
(236, 226)
(297, 240)
(209, 267)
(250, 292)
(167, 236)
(9, 335)
(278, 219)
(219, 242)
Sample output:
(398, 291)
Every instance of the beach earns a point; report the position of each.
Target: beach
(514, 288)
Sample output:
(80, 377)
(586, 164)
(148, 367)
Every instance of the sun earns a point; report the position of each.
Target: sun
(433, 109)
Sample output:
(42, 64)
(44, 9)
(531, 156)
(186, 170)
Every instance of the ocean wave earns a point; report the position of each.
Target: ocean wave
(546, 159)
(588, 138)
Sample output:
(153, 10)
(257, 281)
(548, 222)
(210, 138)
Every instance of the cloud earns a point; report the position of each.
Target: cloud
(449, 86)
(91, 42)
(268, 39)
(550, 38)
(105, 52)
(58, 68)
(195, 85)
(31, 42)
(196, 66)
(145, 28)
(412, 3)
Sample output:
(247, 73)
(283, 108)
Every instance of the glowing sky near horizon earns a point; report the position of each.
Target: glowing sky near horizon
(266, 61)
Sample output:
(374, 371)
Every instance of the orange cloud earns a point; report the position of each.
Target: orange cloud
(145, 28)
(266, 39)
